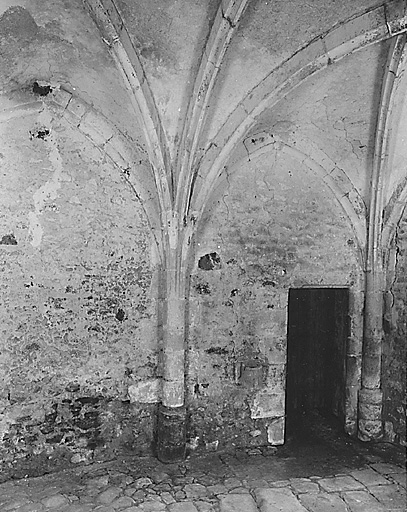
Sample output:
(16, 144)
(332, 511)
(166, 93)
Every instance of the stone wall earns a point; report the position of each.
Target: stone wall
(394, 380)
(78, 321)
(273, 226)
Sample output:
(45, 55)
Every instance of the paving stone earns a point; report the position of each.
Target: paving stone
(122, 502)
(31, 507)
(279, 483)
(278, 500)
(362, 501)
(195, 490)
(340, 483)
(182, 480)
(55, 501)
(109, 495)
(79, 508)
(137, 495)
(323, 502)
(16, 503)
(207, 480)
(163, 487)
(152, 506)
(204, 506)
(369, 477)
(167, 498)
(386, 469)
(217, 489)
(237, 503)
(302, 486)
(142, 482)
(99, 481)
(392, 496)
(231, 483)
(240, 490)
(185, 506)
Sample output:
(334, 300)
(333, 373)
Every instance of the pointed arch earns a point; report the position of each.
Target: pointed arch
(225, 24)
(107, 138)
(344, 39)
(340, 186)
(114, 32)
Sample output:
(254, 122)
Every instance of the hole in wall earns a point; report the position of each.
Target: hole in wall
(209, 261)
(203, 288)
(120, 315)
(41, 90)
(40, 133)
(8, 240)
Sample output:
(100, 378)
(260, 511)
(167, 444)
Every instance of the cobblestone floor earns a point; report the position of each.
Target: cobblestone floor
(314, 478)
(319, 469)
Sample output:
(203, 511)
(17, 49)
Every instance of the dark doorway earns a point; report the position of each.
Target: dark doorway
(318, 327)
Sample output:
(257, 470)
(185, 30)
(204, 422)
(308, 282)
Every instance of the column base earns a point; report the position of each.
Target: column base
(171, 434)
(370, 414)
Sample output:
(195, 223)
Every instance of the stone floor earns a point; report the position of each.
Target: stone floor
(321, 475)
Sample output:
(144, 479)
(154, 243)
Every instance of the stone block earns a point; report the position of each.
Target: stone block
(267, 404)
(75, 110)
(146, 392)
(369, 411)
(62, 98)
(393, 497)
(237, 503)
(369, 429)
(386, 468)
(276, 377)
(303, 486)
(275, 431)
(369, 477)
(361, 501)
(272, 500)
(109, 495)
(56, 501)
(340, 483)
(323, 502)
(185, 506)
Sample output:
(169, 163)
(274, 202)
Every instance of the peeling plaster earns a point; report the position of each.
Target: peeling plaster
(48, 191)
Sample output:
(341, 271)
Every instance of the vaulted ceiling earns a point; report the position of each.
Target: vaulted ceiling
(198, 84)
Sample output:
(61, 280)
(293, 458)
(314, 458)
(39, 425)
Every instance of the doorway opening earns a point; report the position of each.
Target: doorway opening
(318, 329)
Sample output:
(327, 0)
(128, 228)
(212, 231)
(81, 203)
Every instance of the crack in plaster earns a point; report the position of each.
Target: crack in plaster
(396, 264)
(346, 134)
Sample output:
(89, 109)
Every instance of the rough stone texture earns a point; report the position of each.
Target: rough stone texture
(270, 500)
(339, 483)
(391, 496)
(237, 503)
(369, 477)
(323, 502)
(394, 348)
(89, 181)
(360, 501)
(76, 295)
(239, 308)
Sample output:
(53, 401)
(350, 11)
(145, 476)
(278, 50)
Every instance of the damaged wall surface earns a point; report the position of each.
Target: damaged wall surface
(169, 171)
